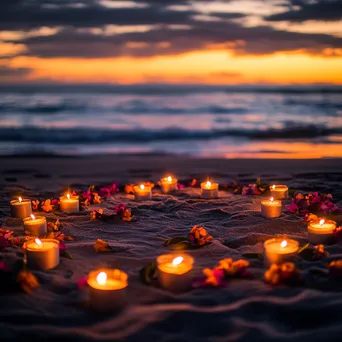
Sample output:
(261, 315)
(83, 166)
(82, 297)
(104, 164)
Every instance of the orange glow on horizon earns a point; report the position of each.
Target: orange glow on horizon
(206, 67)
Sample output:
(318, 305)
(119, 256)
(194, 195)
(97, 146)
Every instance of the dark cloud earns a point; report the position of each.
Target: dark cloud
(166, 41)
(13, 72)
(26, 14)
(303, 10)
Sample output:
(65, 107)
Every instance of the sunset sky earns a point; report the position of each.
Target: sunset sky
(171, 41)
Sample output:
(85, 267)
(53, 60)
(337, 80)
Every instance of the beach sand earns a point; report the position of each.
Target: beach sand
(244, 310)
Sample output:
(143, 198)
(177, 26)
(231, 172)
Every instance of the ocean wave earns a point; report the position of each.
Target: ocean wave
(42, 108)
(132, 107)
(166, 89)
(88, 135)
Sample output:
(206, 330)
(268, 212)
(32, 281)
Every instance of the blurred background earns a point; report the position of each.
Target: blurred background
(229, 78)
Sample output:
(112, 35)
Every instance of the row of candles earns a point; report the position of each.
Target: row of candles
(107, 287)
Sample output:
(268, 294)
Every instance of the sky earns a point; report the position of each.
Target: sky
(171, 41)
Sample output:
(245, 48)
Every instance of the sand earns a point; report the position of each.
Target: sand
(244, 310)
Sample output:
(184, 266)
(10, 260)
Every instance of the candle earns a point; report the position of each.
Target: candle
(279, 250)
(69, 204)
(175, 272)
(21, 208)
(320, 231)
(142, 192)
(168, 184)
(42, 254)
(35, 225)
(271, 208)
(209, 190)
(107, 289)
(279, 191)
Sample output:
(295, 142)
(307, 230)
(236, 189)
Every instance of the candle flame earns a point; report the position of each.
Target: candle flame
(20, 199)
(142, 186)
(169, 179)
(33, 217)
(208, 184)
(38, 242)
(68, 196)
(273, 187)
(321, 222)
(271, 199)
(102, 278)
(177, 261)
(283, 244)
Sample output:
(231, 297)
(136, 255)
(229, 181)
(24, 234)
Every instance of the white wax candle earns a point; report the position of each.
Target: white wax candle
(279, 191)
(42, 254)
(142, 192)
(271, 208)
(21, 208)
(279, 250)
(107, 289)
(69, 204)
(320, 231)
(209, 190)
(175, 272)
(35, 225)
(168, 184)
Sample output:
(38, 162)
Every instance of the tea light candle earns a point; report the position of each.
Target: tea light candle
(35, 225)
(168, 184)
(271, 208)
(320, 232)
(209, 190)
(142, 192)
(69, 204)
(175, 272)
(42, 254)
(279, 191)
(21, 208)
(107, 289)
(279, 250)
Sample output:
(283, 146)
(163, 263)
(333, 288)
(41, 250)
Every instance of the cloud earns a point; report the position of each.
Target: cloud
(304, 10)
(163, 40)
(82, 29)
(26, 15)
(13, 72)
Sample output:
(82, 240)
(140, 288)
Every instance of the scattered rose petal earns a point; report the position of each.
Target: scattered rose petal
(27, 281)
(102, 246)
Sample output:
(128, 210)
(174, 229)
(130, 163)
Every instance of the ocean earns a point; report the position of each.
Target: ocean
(206, 121)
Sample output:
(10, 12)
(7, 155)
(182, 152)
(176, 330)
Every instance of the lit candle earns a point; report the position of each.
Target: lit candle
(42, 254)
(69, 204)
(271, 208)
(21, 208)
(279, 191)
(168, 184)
(107, 289)
(175, 272)
(35, 225)
(142, 192)
(320, 231)
(209, 190)
(279, 250)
